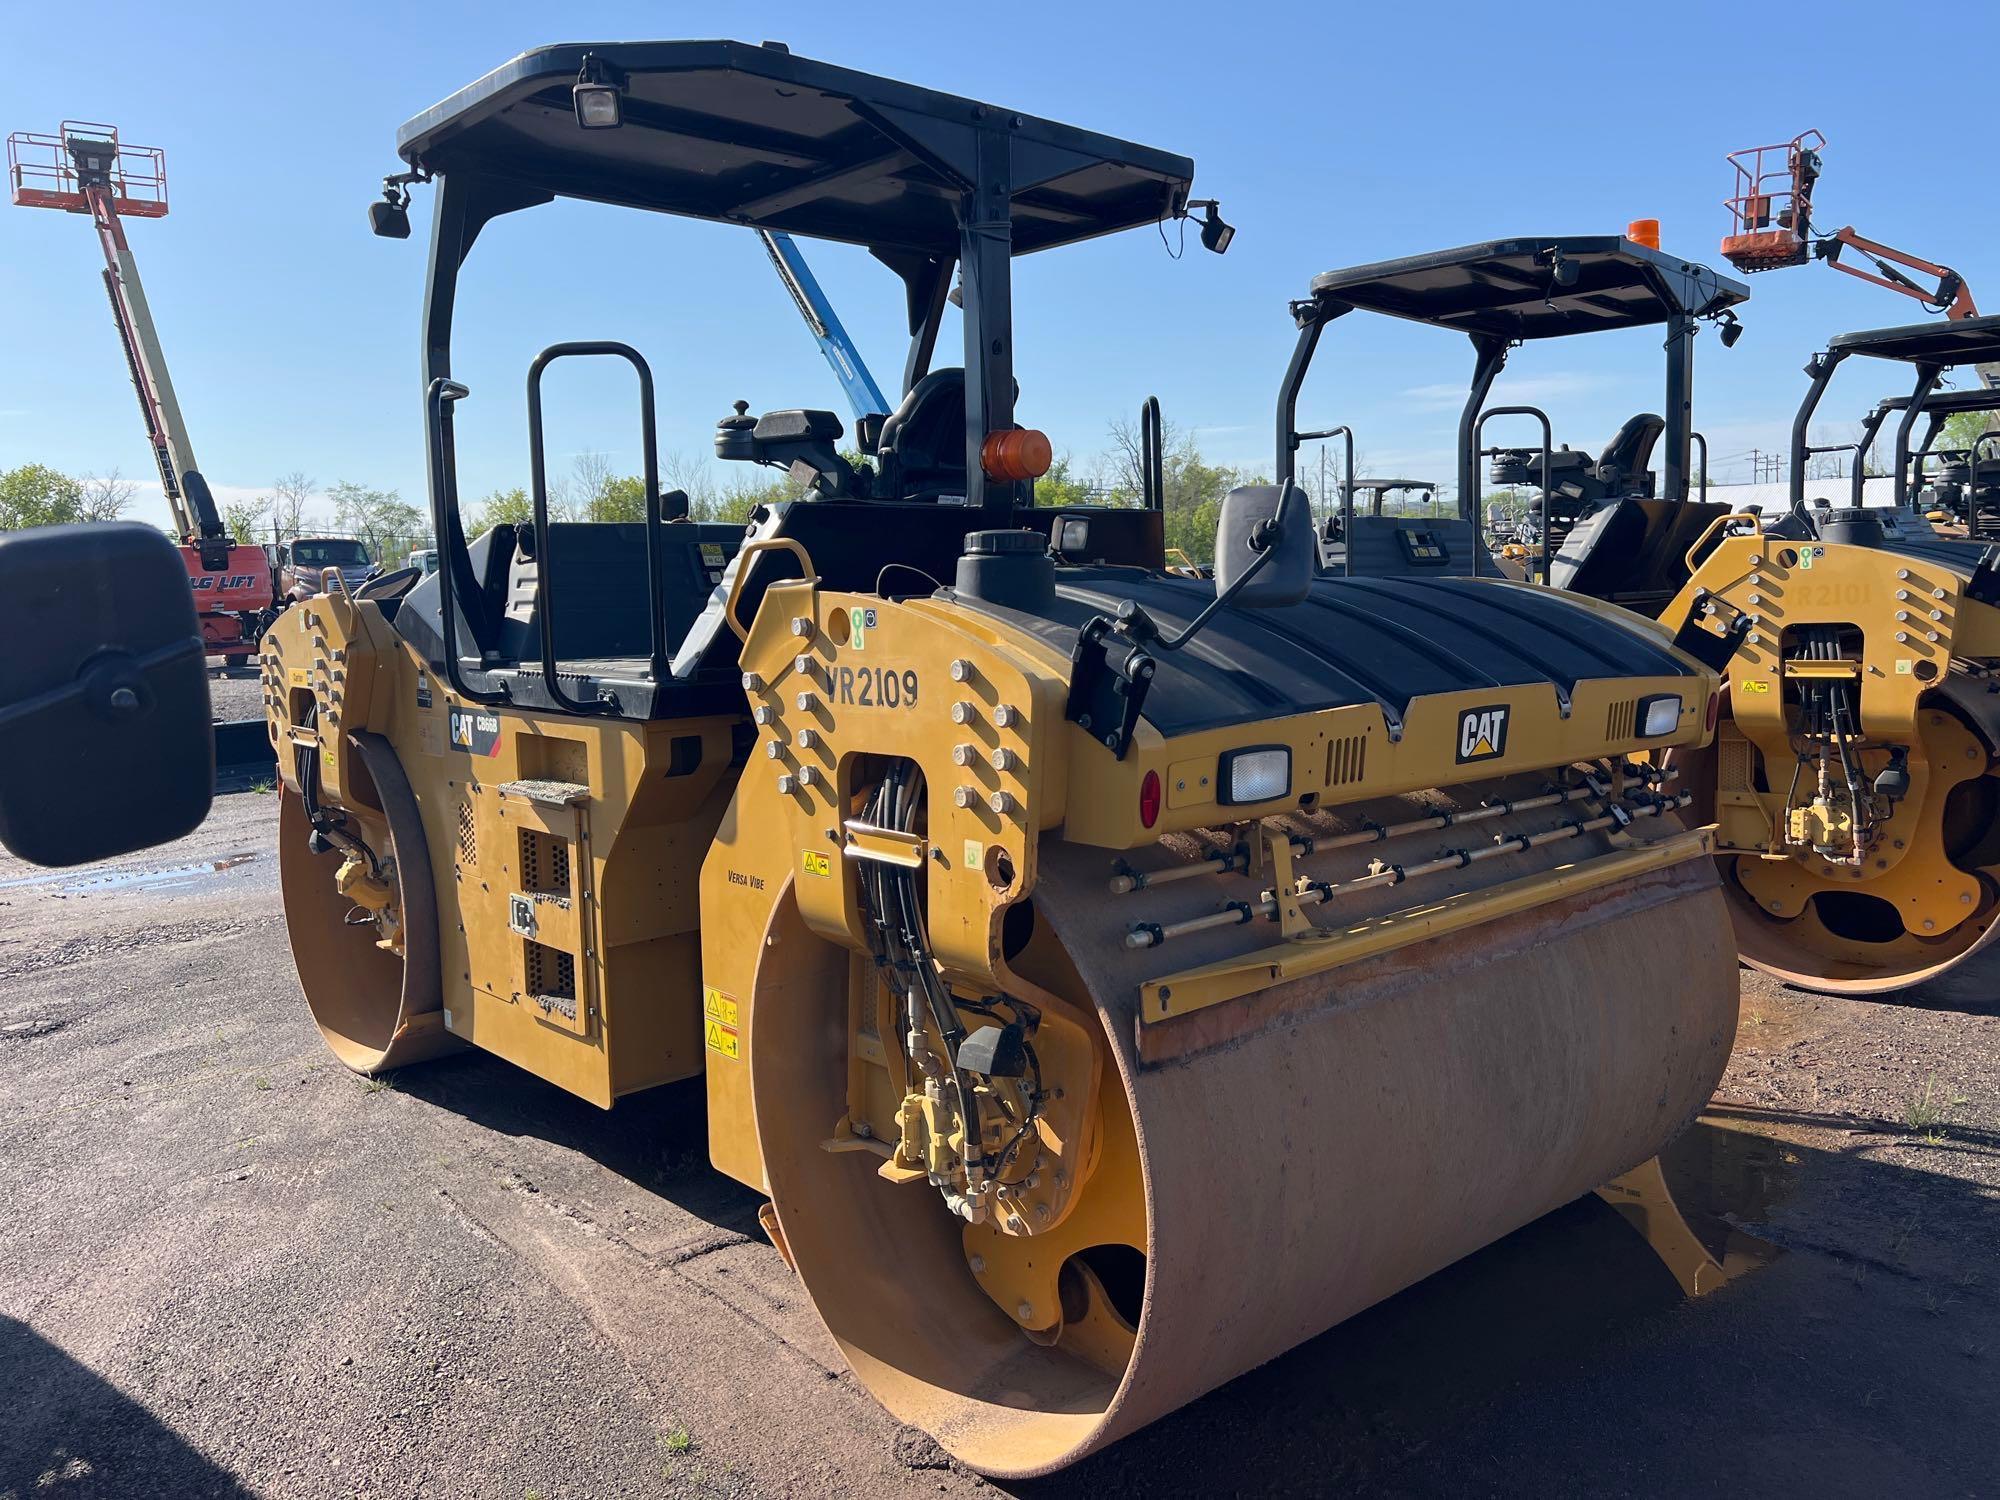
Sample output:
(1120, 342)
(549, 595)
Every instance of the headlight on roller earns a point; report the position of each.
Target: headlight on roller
(1658, 715)
(1256, 773)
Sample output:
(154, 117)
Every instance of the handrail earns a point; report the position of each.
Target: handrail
(658, 664)
(1346, 435)
(1153, 455)
(444, 490)
(1716, 525)
(1548, 464)
(743, 556)
(1702, 440)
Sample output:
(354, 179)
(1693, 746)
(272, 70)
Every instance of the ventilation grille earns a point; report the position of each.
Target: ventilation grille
(1346, 759)
(1735, 764)
(468, 836)
(1621, 720)
(551, 977)
(544, 863)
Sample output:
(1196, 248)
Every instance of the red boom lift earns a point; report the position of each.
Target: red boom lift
(85, 169)
(1771, 209)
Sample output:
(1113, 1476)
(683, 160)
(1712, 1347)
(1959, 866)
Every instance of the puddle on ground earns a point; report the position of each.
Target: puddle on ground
(167, 878)
(1730, 1173)
(1724, 1179)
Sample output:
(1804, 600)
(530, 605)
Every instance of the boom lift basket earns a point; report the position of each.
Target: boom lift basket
(1771, 206)
(42, 171)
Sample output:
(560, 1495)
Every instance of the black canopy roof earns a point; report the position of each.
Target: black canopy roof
(1968, 341)
(1947, 403)
(754, 135)
(1507, 288)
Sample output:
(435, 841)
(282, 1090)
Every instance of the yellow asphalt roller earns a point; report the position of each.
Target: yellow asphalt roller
(1084, 1077)
(1112, 977)
(1856, 775)
(1855, 779)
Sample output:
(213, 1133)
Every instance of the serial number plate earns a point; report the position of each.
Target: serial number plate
(875, 687)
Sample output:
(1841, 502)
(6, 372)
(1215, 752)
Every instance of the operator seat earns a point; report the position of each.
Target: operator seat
(921, 451)
(1629, 454)
(1627, 546)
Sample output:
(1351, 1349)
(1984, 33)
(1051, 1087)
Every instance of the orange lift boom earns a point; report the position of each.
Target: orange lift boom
(85, 169)
(1771, 213)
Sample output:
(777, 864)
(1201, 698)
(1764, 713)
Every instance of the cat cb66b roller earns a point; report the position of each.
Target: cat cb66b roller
(1855, 778)
(1112, 977)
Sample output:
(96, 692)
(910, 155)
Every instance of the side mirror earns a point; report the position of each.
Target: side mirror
(105, 740)
(1259, 521)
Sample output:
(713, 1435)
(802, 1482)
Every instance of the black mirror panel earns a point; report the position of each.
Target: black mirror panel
(105, 740)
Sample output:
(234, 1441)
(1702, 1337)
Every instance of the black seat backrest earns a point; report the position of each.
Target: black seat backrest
(1630, 450)
(1633, 551)
(922, 446)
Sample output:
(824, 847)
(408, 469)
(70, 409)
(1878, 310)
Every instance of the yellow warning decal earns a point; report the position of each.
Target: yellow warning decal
(723, 1039)
(1752, 685)
(813, 862)
(299, 676)
(719, 1024)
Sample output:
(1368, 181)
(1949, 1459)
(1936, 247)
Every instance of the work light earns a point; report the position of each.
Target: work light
(1658, 715)
(1215, 233)
(595, 97)
(1256, 773)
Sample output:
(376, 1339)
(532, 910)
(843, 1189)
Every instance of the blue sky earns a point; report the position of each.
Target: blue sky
(1332, 134)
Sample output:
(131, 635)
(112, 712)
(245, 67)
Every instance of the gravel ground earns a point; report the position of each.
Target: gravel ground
(229, 1267)
(236, 694)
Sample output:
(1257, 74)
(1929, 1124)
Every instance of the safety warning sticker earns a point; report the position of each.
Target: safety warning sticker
(719, 1023)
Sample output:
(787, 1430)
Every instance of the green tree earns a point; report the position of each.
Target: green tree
(383, 519)
(501, 508)
(734, 503)
(243, 518)
(1063, 485)
(1963, 430)
(1194, 487)
(618, 499)
(36, 495)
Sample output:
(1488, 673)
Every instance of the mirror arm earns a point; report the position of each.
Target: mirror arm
(1105, 696)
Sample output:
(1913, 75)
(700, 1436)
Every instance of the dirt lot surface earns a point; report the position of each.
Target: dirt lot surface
(236, 694)
(228, 1266)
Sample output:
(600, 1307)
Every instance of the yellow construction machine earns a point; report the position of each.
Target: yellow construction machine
(1113, 977)
(1854, 777)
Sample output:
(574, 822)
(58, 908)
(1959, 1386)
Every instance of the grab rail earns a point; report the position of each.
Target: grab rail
(1716, 525)
(438, 399)
(1548, 463)
(658, 663)
(743, 556)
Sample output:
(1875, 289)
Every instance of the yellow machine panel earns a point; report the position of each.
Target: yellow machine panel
(1852, 778)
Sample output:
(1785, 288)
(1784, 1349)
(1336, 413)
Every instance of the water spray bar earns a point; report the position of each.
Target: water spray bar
(1317, 892)
(1135, 880)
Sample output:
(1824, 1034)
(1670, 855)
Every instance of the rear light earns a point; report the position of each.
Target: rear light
(1257, 773)
(1714, 710)
(1658, 715)
(1149, 799)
